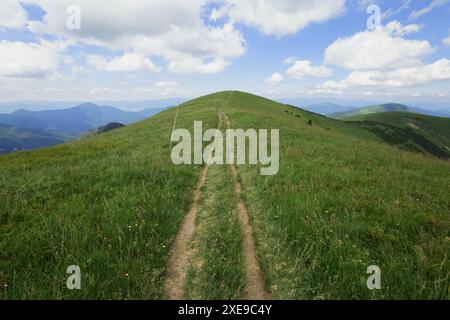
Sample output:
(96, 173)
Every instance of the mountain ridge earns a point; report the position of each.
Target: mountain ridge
(75, 120)
(387, 107)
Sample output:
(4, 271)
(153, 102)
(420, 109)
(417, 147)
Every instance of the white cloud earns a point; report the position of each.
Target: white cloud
(12, 15)
(166, 88)
(279, 17)
(446, 41)
(130, 62)
(383, 48)
(30, 60)
(275, 78)
(405, 4)
(150, 28)
(167, 84)
(402, 77)
(433, 5)
(395, 28)
(196, 65)
(362, 5)
(167, 91)
(305, 69)
(102, 91)
(290, 60)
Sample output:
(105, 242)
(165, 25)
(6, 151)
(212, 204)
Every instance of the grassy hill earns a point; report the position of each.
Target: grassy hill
(343, 200)
(410, 131)
(14, 139)
(389, 107)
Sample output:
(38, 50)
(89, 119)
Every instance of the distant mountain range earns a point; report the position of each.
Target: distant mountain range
(74, 121)
(327, 108)
(339, 107)
(135, 106)
(387, 107)
(24, 129)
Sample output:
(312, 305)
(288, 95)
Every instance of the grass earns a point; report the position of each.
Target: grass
(110, 204)
(216, 271)
(343, 200)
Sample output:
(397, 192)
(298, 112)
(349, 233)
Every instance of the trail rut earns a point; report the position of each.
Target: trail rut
(254, 284)
(181, 254)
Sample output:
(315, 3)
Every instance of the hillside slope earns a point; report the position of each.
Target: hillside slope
(410, 131)
(342, 200)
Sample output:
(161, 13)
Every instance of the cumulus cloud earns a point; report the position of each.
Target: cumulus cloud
(305, 69)
(433, 5)
(279, 17)
(383, 48)
(149, 28)
(12, 15)
(384, 59)
(30, 60)
(196, 65)
(130, 62)
(275, 78)
(401, 77)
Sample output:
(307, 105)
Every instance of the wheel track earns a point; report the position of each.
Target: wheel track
(254, 284)
(180, 254)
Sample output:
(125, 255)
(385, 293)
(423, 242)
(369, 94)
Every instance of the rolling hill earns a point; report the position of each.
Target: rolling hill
(343, 200)
(74, 121)
(389, 107)
(410, 131)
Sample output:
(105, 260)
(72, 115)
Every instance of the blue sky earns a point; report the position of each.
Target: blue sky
(174, 48)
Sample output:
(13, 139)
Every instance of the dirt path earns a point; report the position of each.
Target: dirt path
(254, 285)
(180, 252)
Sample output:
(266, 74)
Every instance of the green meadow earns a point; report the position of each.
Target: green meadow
(343, 200)
(110, 203)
